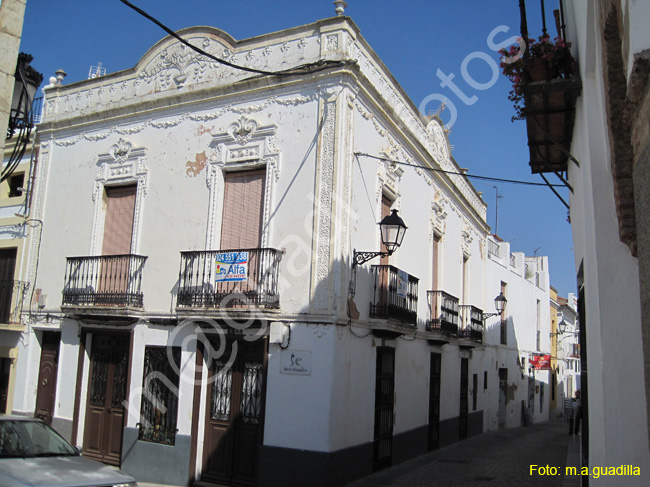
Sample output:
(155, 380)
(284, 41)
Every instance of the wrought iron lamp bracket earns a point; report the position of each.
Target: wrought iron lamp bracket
(486, 316)
(362, 257)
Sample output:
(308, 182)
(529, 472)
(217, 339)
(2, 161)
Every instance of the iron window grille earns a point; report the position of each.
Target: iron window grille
(12, 294)
(159, 406)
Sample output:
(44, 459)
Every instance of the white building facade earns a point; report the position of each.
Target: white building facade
(199, 274)
(518, 341)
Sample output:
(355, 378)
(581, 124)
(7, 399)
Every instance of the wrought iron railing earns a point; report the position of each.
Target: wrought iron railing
(471, 319)
(395, 294)
(443, 313)
(105, 280)
(208, 280)
(11, 301)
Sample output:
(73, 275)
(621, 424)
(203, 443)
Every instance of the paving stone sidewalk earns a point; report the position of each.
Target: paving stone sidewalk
(500, 458)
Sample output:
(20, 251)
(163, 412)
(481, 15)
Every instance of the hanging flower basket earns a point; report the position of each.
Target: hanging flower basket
(544, 60)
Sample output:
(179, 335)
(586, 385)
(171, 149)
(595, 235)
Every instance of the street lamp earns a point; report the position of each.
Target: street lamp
(392, 230)
(561, 328)
(500, 304)
(20, 118)
(27, 82)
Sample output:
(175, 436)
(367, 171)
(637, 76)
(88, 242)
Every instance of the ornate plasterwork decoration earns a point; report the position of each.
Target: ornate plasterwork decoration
(191, 116)
(244, 145)
(177, 63)
(438, 216)
(466, 241)
(332, 42)
(320, 330)
(321, 300)
(122, 164)
(390, 174)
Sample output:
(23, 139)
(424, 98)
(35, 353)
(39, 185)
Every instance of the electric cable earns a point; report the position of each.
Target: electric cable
(320, 65)
(486, 178)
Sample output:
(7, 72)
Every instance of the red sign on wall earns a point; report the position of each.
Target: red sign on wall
(540, 362)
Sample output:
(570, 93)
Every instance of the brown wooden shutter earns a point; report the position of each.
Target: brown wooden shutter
(435, 263)
(385, 211)
(242, 210)
(118, 229)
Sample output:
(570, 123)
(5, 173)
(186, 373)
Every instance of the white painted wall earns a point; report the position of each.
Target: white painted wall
(616, 401)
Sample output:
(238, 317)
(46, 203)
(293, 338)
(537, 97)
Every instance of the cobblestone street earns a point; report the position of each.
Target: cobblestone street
(499, 458)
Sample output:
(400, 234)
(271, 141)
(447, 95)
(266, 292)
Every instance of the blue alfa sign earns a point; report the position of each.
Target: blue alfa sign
(231, 266)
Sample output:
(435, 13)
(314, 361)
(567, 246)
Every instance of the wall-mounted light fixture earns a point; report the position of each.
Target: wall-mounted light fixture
(20, 118)
(500, 304)
(392, 229)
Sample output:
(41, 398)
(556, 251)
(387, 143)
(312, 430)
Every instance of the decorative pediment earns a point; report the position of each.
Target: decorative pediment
(177, 62)
(122, 163)
(435, 131)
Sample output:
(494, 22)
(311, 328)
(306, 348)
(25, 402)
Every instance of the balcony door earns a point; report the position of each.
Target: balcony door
(241, 227)
(114, 272)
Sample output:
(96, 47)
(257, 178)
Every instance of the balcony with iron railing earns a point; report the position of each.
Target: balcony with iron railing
(236, 278)
(106, 281)
(443, 314)
(395, 295)
(471, 319)
(12, 295)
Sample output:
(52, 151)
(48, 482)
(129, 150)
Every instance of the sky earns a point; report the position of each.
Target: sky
(421, 42)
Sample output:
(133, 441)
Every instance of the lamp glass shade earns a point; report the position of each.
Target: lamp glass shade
(500, 302)
(561, 327)
(392, 231)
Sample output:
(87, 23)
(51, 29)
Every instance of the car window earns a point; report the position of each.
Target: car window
(31, 438)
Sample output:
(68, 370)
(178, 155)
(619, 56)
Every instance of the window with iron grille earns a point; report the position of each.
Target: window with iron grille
(159, 407)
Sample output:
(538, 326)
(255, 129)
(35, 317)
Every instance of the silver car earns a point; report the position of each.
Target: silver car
(33, 454)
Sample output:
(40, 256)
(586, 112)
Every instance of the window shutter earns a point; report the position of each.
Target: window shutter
(242, 210)
(118, 229)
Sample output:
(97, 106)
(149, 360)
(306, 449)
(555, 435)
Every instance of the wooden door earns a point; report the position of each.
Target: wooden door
(235, 415)
(7, 268)
(5, 374)
(384, 405)
(109, 366)
(464, 405)
(46, 392)
(434, 401)
(503, 397)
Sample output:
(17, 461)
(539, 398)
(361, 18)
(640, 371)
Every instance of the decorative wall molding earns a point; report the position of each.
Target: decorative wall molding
(245, 144)
(122, 164)
(244, 109)
(321, 300)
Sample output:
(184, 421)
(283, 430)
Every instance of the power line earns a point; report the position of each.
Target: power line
(485, 178)
(310, 68)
